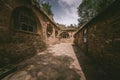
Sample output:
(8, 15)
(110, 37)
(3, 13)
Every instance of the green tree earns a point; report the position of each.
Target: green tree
(47, 8)
(89, 8)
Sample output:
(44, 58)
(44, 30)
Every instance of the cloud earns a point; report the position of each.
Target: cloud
(69, 11)
(69, 3)
(65, 11)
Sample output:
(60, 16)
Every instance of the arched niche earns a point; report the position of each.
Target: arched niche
(24, 19)
(49, 30)
(56, 32)
(64, 35)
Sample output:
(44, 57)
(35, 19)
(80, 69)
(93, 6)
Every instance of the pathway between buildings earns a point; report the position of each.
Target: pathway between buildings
(58, 62)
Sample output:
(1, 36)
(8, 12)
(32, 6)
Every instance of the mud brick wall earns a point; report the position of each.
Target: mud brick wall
(4, 30)
(16, 45)
(25, 45)
(103, 39)
(79, 39)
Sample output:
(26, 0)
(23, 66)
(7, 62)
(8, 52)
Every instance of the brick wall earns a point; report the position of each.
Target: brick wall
(103, 39)
(17, 45)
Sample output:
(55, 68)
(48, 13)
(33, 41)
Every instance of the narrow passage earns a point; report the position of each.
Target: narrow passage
(58, 62)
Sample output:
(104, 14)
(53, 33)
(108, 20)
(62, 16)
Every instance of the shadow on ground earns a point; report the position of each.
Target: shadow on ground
(91, 70)
(49, 67)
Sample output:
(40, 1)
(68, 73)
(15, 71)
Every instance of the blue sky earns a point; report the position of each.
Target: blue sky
(65, 11)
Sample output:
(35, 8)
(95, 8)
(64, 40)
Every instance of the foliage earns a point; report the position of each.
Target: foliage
(72, 26)
(89, 8)
(47, 8)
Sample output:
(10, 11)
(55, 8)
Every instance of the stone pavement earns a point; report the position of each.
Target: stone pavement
(58, 62)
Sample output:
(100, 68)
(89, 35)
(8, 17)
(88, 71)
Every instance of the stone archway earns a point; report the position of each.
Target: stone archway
(56, 32)
(24, 19)
(49, 30)
(64, 35)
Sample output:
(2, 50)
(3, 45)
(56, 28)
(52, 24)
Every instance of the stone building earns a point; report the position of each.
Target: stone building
(66, 32)
(25, 29)
(100, 39)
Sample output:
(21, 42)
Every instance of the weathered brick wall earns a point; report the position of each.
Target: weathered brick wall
(51, 39)
(45, 22)
(103, 40)
(104, 43)
(79, 40)
(4, 29)
(25, 44)
(17, 45)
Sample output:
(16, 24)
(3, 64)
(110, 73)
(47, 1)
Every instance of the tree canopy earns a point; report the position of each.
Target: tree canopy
(47, 8)
(89, 8)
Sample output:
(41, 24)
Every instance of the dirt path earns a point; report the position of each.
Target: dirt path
(58, 62)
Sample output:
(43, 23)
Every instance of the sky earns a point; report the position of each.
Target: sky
(65, 11)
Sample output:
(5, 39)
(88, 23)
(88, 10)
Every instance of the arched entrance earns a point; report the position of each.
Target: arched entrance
(23, 19)
(64, 35)
(49, 30)
(56, 32)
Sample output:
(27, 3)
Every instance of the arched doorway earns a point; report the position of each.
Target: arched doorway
(23, 19)
(64, 35)
(56, 32)
(49, 30)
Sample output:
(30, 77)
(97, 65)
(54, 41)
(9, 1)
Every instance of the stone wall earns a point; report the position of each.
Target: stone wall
(45, 22)
(4, 30)
(17, 45)
(100, 38)
(51, 39)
